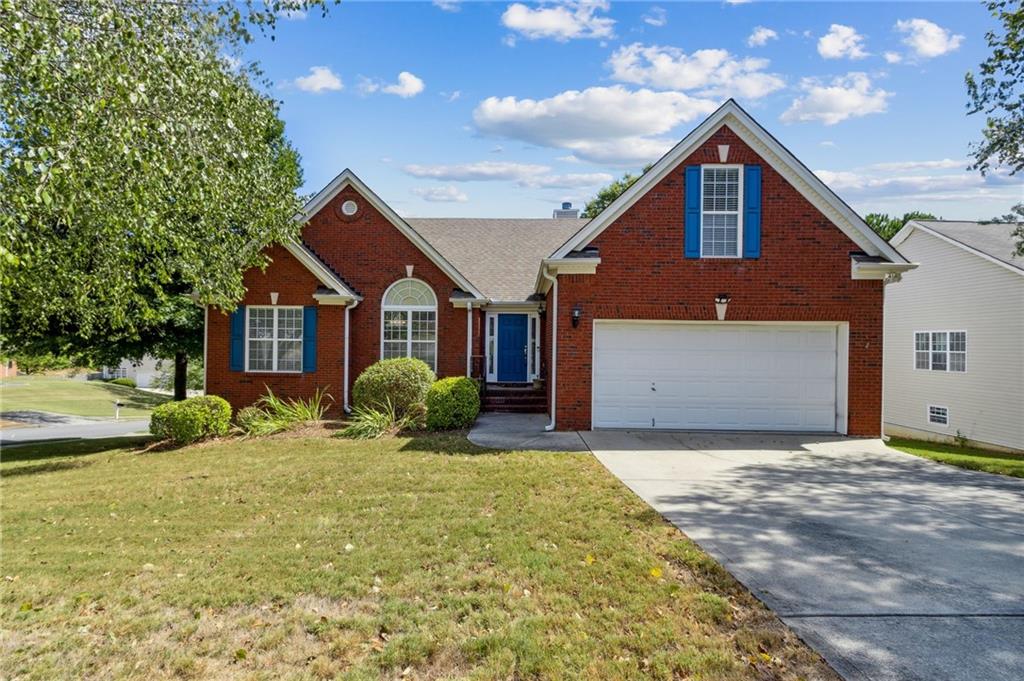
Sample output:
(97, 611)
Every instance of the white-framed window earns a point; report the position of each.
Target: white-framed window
(721, 216)
(409, 322)
(940, 350)
(938, 415)
(273, 338)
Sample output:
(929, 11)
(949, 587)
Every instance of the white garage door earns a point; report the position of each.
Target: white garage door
(714, 376)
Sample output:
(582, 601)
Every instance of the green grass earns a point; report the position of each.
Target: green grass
(76, 398)
(326, 558)
(970, 458)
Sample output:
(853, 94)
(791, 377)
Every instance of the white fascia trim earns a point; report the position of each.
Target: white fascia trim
(556, 266)
(879, 270)
(909, 228)
(468, 302)
(324, 275)
(780, 158)
(514, 306)
(334, 299)
(347, 178)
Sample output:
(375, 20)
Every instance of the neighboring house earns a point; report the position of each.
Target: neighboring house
(728, 288)
(8, 368)
(954, 354)
(144, 372)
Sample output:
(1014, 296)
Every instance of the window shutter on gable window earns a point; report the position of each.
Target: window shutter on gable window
(752, 211)
(691, 229)
(309, 339)
(236, 360)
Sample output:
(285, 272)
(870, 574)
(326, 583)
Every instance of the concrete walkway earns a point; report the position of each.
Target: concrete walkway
(893, 567)
(518, 432)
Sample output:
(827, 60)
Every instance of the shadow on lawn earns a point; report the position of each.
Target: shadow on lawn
(59, 449)
(452, 442)
(132, 398)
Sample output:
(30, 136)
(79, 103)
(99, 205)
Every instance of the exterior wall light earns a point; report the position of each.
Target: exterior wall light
(721, 304)
(577, 312)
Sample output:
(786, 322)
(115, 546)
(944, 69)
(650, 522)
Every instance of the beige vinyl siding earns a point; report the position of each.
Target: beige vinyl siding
(955, 290)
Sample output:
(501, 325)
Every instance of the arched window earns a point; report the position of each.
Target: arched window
(409, 322)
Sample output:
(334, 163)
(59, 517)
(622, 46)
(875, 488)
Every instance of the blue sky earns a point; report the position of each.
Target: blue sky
(504, 109)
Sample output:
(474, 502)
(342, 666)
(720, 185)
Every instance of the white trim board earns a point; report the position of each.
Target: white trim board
(348, 178)
(909, 228)
(776, 155)
(323, 274)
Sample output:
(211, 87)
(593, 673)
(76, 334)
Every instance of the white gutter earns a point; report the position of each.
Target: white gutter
(345, 405)
(469, 341)
(554, 343)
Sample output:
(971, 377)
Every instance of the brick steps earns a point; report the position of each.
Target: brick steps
(515, 399)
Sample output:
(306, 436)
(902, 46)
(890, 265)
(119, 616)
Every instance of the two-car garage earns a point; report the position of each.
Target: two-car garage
(719, 376)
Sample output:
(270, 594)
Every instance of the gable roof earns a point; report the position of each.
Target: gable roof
(347, 178)
(776, 155)
(993, 241)
(320, 269)
(499, 255)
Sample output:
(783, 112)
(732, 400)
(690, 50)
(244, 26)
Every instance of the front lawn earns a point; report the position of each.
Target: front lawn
(965, 457)
(402, 558)
(76, 398)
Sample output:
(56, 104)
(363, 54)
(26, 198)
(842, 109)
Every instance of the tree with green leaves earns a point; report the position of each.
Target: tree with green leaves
(997, 91)
(610, 192)
(1014, 217)
(138, 165)
(886, 226)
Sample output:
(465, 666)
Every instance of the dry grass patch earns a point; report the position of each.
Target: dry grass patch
(416, 558)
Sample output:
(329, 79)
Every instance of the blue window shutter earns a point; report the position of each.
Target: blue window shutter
(752, 211)
(691, 230)
(237, 357)
(309, 339)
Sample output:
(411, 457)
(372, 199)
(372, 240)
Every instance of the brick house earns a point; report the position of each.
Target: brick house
(727, 289)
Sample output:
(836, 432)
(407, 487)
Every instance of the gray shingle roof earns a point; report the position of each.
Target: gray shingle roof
(499, 256)
(992, 239)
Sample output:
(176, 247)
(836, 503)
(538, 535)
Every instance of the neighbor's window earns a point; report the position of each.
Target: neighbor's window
(938, 415)
(410, 322)
(720, 212)
(273, 338)
(940, 350)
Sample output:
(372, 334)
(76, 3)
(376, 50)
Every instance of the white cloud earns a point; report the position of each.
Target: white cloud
(320, 79)
(561, 22)
(827, 143)
(448, 5)
(761, 36)
(844, 97)
(867, 183)
(407, 86)
(928, 39)
(524, 174)
(657, 16)
(601, 124)
(451, 96)
(737, 2)
(944, 164)
(444, 194)
(841, 41)
(892, 57)
(713, 73)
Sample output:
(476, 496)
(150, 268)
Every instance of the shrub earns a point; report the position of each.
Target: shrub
(191, 420)
(271, 414)
(400, 384)
(370, 423)
(126, 382)
(452, 403)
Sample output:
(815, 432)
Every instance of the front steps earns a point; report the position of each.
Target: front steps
(515, 398)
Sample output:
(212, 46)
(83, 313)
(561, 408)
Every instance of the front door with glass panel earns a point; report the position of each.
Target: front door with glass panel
(513, 347)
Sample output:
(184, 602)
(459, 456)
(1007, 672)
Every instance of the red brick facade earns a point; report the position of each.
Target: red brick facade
(803, 274)
(371, 254)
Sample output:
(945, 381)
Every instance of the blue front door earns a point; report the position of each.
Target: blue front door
(512, 339)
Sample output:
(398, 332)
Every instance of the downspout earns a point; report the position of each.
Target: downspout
(345, 405)
(206, 335)
(469, 340)
(554, 344)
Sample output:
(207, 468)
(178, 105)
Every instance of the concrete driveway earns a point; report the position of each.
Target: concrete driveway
(890, 566)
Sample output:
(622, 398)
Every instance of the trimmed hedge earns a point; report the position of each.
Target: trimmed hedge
(403, 383)
(191, 420)
(126, 382)
(452, 403)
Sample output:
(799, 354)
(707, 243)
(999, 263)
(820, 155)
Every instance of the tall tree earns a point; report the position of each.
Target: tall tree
(998, 91)
(610, 192)
(1014, 217)
(887, 226)
(137, 166)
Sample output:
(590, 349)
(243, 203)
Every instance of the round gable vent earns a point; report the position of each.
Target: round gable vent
(349, 208)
